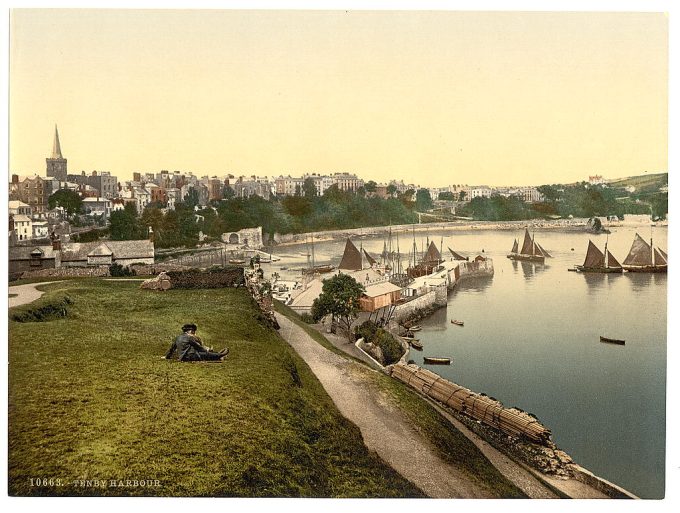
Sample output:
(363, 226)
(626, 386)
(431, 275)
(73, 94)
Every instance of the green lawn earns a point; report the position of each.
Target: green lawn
(91, 399)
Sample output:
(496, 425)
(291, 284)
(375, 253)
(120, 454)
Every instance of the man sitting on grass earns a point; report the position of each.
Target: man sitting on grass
(189, 348)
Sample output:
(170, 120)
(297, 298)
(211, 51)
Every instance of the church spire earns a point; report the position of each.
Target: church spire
(56, 148)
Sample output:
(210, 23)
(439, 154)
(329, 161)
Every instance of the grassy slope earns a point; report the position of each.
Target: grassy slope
(646, 183)
(452, 445)
(90, 398)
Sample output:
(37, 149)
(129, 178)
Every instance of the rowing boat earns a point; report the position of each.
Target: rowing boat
(457, 323)
(437, 361)
(612, 340)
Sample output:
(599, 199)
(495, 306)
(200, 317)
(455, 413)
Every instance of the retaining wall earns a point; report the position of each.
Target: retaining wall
(404, 310)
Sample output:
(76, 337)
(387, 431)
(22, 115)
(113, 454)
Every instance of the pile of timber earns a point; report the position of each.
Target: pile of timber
(479, 407)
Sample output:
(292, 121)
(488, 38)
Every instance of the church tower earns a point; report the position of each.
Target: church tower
(56, 166)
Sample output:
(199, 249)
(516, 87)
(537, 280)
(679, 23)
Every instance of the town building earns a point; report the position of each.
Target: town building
(480, 191)
(56, 164)
(347, 182)
(23, 227)
(97, 207)
(19, 207)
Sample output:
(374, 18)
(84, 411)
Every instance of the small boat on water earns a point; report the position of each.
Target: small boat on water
(237, 261)
(612, 340)
(415, 343)
(457, 323)
(318, 269)
(531, 250)
(598, 262)
(415, 328)
(436, 360)
(645, 258)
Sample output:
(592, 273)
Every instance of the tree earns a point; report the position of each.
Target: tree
(309, 188)
(70, 201)
(125, 225)
(228, 192)
(423, 200)
(340, 299)
(391, 190)
(370, 186)
(446, 195)
(462, 195)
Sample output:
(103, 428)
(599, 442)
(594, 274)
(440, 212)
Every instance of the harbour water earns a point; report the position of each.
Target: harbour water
(531, 340)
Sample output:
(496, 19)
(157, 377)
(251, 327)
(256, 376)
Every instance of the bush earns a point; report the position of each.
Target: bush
(306, 318)
(118, 270)
(366, 330)
(391, 348)
(56, 309)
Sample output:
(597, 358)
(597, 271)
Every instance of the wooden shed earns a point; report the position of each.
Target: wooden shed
(379, 295)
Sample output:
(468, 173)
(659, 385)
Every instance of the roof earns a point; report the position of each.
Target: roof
(117, 248)
(17, 204)
(56, 148)
(381, 289)
(96, 200)
(21, 218)
(24, 252)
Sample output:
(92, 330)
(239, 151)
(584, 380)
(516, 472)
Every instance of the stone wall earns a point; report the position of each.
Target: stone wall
(68, 272)
(427, 300)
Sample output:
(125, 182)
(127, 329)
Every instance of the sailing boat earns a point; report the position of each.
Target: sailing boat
(598, 262)
(531, 250)
(645, 258)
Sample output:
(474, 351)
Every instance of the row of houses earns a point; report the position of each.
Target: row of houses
(79, 254)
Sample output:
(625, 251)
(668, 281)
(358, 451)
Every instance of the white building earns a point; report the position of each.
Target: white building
(97, 207)
(19, 208)
(40, 229)
(23, 227)
(480, 191)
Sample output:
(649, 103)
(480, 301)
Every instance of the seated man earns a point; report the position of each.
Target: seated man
(189, 348)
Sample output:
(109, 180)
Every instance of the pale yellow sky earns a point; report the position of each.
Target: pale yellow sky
(430, 97)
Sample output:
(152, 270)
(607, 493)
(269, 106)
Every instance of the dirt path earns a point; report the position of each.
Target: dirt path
(26, 293)
(388, 432)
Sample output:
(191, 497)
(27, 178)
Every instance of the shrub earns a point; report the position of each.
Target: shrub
(306, 318)
(366, 330)
(47, 312)
(118, 270)
(391, 348)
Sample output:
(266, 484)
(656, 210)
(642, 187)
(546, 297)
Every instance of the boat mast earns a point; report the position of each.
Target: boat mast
(313, 261)
(606, 255)
(415, 247)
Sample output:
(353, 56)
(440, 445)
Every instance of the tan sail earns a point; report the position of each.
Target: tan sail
(528, 245)
(594, 257)
(458, 256)
(515, 247)
(432, 254)
(660, 257)
(611, 261)
(543, 251)
(640, 253)
(370, 259)
(351, 258)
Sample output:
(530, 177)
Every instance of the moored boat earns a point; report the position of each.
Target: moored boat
(436, 360)
(645, 258)
(612, 340)
(598, 262)
(318, 269)
(457, 323)
(531, 250)
(237, 261)
(415, 343)
(415, 328)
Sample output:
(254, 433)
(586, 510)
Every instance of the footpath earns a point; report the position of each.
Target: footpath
(388, 432)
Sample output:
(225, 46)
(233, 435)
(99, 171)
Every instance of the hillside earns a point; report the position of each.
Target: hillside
(91, 399)
(646, 183)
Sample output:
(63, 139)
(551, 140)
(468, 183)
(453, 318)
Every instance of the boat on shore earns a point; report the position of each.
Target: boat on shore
(318, 269)
(436, 360)
(612, 340)
(645, 258)
(415, 328)
(598, 262)
(531, 250)
(457, 323)
(236, 261)
(415, 343)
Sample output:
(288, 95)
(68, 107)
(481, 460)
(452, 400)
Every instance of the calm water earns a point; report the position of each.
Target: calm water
(531, 340)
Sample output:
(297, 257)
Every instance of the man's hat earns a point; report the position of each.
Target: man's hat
(188, 327)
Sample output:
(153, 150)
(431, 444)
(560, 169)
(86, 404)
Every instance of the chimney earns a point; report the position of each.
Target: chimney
(15, 179)
(151, 234)
(56, 244)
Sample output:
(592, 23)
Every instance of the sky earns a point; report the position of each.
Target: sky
(434, 98)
